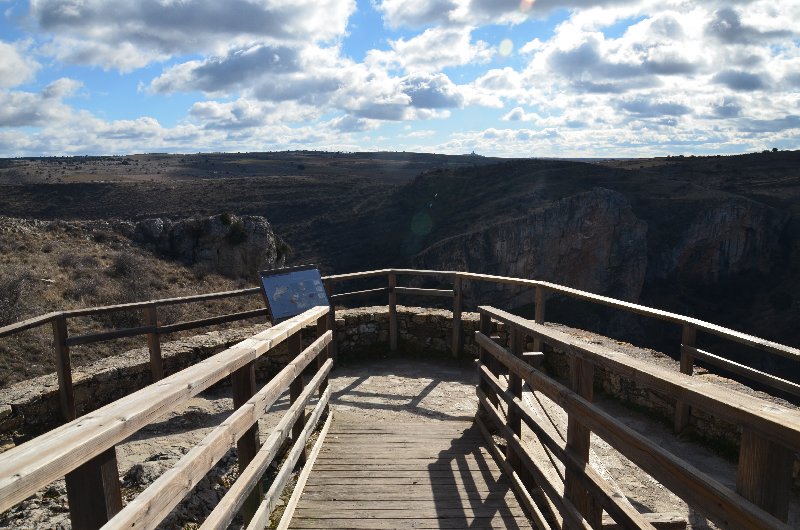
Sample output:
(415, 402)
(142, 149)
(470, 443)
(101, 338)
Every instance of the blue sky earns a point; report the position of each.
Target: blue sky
(516, 78)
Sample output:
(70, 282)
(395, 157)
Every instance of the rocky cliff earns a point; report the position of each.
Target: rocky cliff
(227, 244)
(590, 241)
(725, 238)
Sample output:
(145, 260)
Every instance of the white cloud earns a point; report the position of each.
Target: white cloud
(126, 35)
(434, 49)
(29, 109)
(15, 68)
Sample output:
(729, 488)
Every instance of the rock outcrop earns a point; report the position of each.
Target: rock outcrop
(591, 241)
(227, 244)
(725, 238)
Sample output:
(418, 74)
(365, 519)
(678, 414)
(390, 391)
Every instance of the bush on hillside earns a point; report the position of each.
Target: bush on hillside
(13, 285)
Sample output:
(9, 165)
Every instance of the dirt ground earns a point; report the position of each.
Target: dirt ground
(384, 389)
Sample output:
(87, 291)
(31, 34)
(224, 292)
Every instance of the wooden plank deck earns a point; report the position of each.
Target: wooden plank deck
(406, 475)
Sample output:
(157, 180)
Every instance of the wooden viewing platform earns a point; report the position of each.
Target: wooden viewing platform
(506, 468)
(406, 475)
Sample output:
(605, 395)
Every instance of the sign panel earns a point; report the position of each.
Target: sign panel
(291, 291)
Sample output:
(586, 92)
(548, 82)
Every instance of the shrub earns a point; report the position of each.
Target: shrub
(236, 233)
(13, 284)
(128, 266)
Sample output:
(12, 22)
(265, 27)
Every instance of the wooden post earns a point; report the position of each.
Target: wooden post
(764, 475)
(244, 387)
(154, 343)
(578, 444)
(93, 491)
(457, 303)
(295, 345)
(333, 347)
(322, 327)
(515, 387)
(682, 410)
(538, 316)
(392, 312)
(487, 358)
(517, 343)
(64, 368)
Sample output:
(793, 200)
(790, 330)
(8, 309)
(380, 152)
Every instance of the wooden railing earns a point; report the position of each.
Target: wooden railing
(83, 450)
(542, 290)
(770, 434)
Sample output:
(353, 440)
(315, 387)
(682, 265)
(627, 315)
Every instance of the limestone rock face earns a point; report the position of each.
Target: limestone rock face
(725, 238)
(234, 246)
(590, 241)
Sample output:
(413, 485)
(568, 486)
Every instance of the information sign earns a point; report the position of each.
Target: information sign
(292, 290)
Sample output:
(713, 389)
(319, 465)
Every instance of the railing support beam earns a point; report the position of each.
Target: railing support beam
(64, 368)
(578, 444)
(295, 345)
(682, 410)
(764, 475)
(93, 492)
(392, 312)
(333, 347)
(154, 343)
(243, 381)
(458, 300)
(538, 316)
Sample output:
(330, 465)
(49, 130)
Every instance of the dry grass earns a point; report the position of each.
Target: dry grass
(56, 266)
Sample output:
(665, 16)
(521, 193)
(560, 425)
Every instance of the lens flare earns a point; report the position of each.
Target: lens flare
(526, 5)
(506, 47)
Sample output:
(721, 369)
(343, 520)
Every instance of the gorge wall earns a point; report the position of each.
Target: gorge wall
(591, 241)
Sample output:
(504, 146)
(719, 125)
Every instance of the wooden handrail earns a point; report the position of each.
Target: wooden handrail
(93, 311)
(445, 293)
(364, 292)
(779, 422)
(30, 466)
(772, 431)
(720, 331)
(157, 500)
(18, 327)
(153, 331)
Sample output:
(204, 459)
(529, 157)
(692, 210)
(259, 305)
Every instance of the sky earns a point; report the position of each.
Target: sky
(510, 78)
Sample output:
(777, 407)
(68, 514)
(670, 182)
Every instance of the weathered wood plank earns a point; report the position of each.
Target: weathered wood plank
(585, 479)
(155, 502)
(243, 382)
(727, 508)
(780, 423)
(367, 476)
(294, 500)
(93, 492)
(478, 523)
(150, 315)
(419, 512)
(390, 493)
(764, 475)
(444, 293)
(661, 521)
(751, 373)
(261, 518)
(392, 311)
(33, 465)
(519, 487)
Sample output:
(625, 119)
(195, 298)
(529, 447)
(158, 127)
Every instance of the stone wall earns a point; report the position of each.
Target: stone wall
(31, 407)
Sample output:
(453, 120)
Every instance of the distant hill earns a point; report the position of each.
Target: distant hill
(715, 236)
